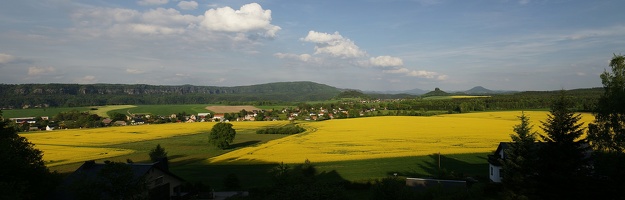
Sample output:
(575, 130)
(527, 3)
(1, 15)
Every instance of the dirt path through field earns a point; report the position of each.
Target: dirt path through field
(230, 109)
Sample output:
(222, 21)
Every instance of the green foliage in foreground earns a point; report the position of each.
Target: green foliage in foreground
(23, 174)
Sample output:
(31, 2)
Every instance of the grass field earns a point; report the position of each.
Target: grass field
(103, 111)
(164, 110)
(39, 112)
(230, 109)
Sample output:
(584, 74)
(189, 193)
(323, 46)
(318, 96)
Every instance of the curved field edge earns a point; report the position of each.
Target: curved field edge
(384, 137)
(62, 147)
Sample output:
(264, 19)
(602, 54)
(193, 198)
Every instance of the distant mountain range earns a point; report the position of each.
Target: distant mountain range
(477, 90)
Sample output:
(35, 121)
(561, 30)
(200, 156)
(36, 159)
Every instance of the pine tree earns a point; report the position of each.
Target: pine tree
(158, 153)
(520, 164)
(562, 163)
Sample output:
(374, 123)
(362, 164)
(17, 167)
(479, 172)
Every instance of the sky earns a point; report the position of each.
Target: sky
(371, 45)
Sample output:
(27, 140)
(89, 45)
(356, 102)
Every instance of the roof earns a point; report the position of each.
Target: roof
(495, 158)
(91, 169)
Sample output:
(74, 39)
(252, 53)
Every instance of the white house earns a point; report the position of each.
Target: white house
(494, 163)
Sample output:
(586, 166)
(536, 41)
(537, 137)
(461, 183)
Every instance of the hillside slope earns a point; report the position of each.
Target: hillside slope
(17, 96)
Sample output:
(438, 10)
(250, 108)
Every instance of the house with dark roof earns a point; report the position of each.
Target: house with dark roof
(494, 163)
(159, 181)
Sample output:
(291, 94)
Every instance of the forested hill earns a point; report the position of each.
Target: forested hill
(16, 96)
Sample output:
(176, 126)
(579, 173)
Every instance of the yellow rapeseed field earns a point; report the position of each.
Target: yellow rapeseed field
(77, 145)
(59, 155)
(379, 137)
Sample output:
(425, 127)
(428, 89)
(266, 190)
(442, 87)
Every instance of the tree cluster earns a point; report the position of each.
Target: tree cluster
(76, 119)
(288, 129)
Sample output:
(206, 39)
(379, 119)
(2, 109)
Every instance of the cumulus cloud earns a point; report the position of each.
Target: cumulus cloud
(334, 45)
(386, 61)
(6, 58)
(152, 2)
(187, 5)
(417, 73)
(87, 79)
(249, 18)
(239, 25)
(36, 71)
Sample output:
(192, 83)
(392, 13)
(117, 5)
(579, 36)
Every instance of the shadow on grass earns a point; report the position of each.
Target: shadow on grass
(244, 144)
(444, 167)
(250, 173)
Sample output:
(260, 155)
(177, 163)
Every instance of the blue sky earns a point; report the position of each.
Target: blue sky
(367, 45)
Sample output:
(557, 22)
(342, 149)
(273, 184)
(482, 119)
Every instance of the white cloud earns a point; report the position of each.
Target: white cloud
(386, 61)
(6, 58)
(300, 57)
(334, 45)
(249, 18)
(221, 24)
(87, 79)
(417, 73)
(152, 2)
(36, 71)
(523, 2)
(187, 5)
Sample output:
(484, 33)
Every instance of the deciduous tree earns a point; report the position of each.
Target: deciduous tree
(607, 133)
(221, 135)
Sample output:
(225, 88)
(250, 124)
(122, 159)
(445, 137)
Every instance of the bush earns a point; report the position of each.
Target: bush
(285, 130)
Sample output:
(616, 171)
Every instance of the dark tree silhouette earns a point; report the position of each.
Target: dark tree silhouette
(562, 163)
(607, 133)
(158, 153)
(520, 164)
(23, 173)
